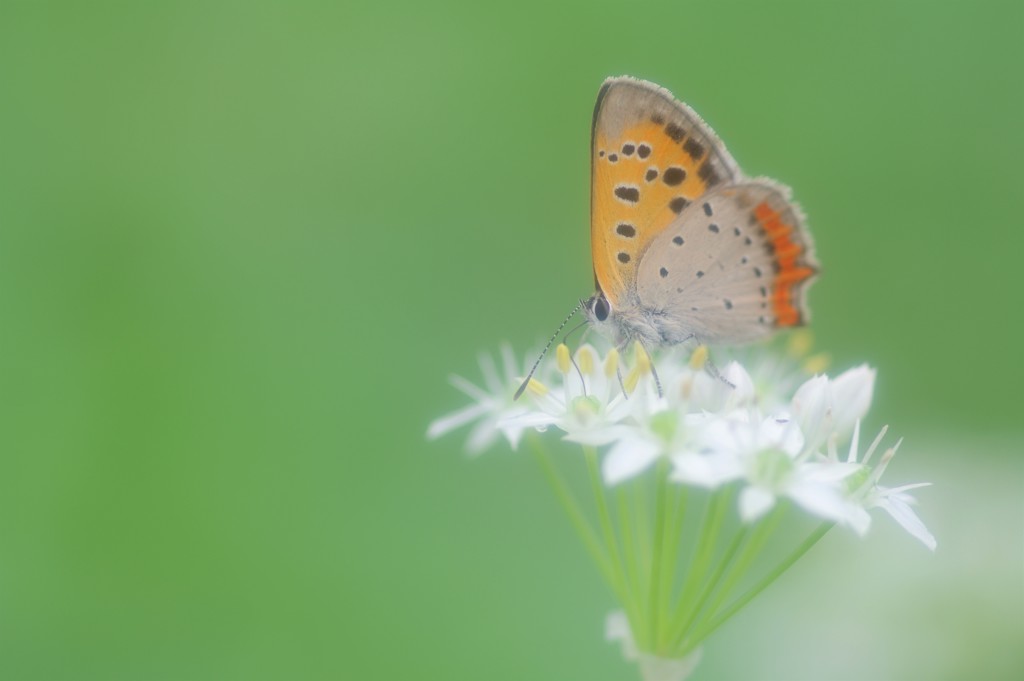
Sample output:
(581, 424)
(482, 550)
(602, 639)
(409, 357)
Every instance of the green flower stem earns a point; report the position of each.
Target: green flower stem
(655, 606)
(673, 534)
(721, 618)
(762, 531)
(573, 510)
(700, 561)
(633, 577)
(690, 614)
(642, 516)
(605, 517)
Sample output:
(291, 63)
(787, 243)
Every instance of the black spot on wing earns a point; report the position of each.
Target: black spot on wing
(708, 174)
(678, 204)
(694, 148)
(627, 193)
(673, 176)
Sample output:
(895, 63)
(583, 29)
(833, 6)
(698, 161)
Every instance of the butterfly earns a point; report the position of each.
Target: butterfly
(684, 245)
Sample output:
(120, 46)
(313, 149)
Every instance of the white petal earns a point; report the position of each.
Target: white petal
(859, 520)
(811, 408)
(851, 397)
(533, 419)
(482, 437)
(513, 435)
(628, 458)
(510, 362)
(782, 433)
(448, 423)
(707, 392)
(738, 376)
(755, 502)
(732, 436)
(830, 472)
(705, 470)
(490, 372)
(823, 501)
(470, 389)
(597, 437)
(896, 506)
(616, 628)
(903, 488)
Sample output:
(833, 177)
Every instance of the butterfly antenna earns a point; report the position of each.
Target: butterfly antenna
(545, 351)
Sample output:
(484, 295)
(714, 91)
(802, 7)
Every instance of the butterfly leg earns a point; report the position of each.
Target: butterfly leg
(654, 373)
(710, 367)
(622, 385)
(583, 381)
(708, 364)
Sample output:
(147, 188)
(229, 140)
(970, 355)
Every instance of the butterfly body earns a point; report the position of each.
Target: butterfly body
(684, 246)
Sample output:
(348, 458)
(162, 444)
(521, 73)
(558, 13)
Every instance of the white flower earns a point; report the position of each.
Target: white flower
(711, 427)
(766, 454)
(640, 444)
(893, 500)
(667, 424)
(586, 405)
(493, 406)
(651, 427)
(733, 388)
(824, 406)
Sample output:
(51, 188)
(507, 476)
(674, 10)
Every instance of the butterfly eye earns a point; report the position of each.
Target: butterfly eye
(601, 308)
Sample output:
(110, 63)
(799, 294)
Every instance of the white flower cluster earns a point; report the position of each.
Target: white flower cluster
(734, 428)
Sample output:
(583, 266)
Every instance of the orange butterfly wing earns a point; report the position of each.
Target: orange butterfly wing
(651, 156)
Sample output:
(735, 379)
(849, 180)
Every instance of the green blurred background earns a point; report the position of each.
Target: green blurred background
(243, 244)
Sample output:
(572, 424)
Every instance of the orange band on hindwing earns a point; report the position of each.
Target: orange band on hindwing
(790, 271)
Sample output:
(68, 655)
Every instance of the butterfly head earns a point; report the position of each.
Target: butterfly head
(598, 311)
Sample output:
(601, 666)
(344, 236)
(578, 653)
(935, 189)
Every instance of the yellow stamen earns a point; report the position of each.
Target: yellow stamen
(817, 364)
(800, 343)
(611, 363)
(562, 355)
(537, 388)
(586, 361)
(643, 360)
(686, 389)
(699, 358)
(641, 367)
